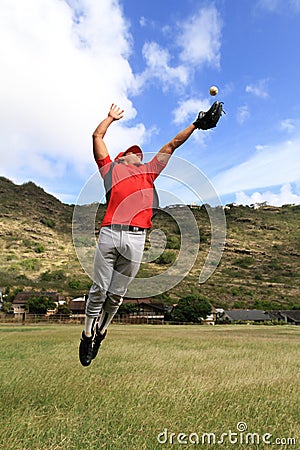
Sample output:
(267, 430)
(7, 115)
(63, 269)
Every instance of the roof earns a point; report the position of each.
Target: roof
(154, 306)
(144, 302)
(137, 301)
(293, 315)
(22, 297)
(255, 315)
(77, 304)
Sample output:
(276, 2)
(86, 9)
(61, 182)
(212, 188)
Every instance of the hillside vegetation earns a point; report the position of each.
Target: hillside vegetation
(259, 267)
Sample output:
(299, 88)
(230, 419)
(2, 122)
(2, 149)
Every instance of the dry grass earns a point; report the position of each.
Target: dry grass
(186, 379)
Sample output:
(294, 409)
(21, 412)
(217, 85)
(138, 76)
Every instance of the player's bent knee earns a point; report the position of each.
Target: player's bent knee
(113, 302)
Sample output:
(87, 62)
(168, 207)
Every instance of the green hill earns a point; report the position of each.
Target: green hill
(259, 267)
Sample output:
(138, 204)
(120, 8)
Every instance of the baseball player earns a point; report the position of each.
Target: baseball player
(131, 198)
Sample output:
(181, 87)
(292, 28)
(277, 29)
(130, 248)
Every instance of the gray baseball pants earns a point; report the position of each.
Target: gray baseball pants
(117, 260)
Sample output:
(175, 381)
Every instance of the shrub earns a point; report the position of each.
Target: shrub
(239, 305)
(173, 242)
(56, 275)
(48, 222)
(84, 241)
(39, 248)
(168, 257)
(244, 262)
(79, 284)
(29, 264)
(258, 276)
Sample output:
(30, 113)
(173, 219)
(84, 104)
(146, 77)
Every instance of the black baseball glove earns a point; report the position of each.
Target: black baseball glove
(210, 118)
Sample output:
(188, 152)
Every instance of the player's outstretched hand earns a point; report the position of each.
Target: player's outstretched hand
(210, 118)
(115, 112)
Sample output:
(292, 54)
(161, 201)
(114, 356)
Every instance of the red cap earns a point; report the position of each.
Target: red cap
(134, 149)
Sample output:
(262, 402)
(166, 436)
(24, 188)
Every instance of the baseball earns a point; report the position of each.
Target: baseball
(213, 90)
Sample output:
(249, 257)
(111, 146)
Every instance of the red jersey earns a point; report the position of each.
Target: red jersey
(131, 197)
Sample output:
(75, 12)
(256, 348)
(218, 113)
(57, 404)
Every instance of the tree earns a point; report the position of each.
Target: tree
(192, 308)
(10, 293)
(40, 305)
(63, 310)
(6, 307)
(128, 308)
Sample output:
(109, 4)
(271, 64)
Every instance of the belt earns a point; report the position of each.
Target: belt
(121, 227)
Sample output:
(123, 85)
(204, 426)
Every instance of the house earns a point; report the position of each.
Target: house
(146, 308)
(77, 305)
(245, 315)
(288, 316)
(212, 318)
(19, 303)
(152, 311)
(194, 206)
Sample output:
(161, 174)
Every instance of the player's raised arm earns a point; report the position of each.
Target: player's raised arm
(167, 150)
(99, 147)
(205, 121)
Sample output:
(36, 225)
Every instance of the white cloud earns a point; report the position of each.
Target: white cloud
(143, 22)
(288, 125)
(279, 6)
(242, 114)
(295, 4)
(260, 147)
(284, 197)
(272, 165)
(199, 41)
(158, 62)
(270, 5)
(200, 38)
(59, 75)
(259, 89)
(189, 108)
(126, 137)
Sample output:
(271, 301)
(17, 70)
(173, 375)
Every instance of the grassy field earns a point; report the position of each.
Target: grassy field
(147, 383)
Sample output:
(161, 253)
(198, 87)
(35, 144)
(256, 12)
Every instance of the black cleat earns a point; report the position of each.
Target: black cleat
(86, 350)
(97, 341)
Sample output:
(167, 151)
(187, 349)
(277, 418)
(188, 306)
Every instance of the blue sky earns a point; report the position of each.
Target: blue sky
(63, 62)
